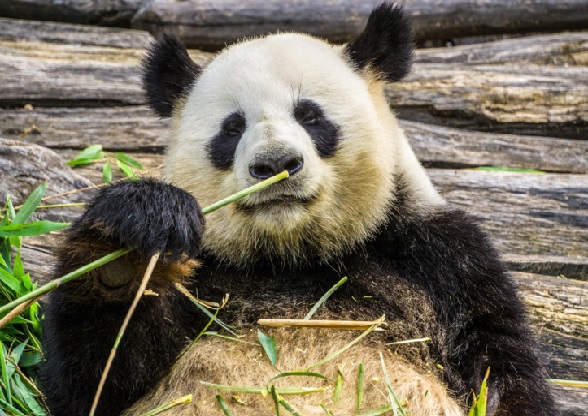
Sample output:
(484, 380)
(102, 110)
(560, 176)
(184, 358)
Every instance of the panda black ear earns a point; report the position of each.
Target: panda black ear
(385, 46)
(168, 73)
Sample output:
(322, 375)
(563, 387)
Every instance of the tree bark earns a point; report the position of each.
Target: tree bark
(103, 12)
(210, 25)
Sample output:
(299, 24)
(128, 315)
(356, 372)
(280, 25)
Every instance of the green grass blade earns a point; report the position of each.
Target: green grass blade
(346, 347)
(325, 297)
(176, 402)
(223, 405)
(359, 394)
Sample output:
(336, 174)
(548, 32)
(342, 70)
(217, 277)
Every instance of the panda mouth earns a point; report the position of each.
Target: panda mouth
(276, 201)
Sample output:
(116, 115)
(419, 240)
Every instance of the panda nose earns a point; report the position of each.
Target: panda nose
(267, 166)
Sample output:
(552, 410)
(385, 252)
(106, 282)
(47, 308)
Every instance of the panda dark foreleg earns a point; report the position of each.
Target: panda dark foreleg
(83, 317)
(481, 322)
(486, 322)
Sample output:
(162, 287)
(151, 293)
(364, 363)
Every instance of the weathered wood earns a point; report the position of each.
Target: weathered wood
(536, 100)
(103, 12)
(566, 266)
(72, 34)
(23, 167)
(556, 304)
(211, 24)
(570, 400)
(533, 100)
(559, 49)
(442, 147)
(526, 214)
(129, 128)
(135, 128)
(71, 75)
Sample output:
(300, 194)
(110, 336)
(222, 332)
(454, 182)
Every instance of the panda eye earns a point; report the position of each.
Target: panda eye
(308, 113)
(234, 125)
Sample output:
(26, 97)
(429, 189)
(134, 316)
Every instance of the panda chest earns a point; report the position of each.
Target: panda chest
(369, 293)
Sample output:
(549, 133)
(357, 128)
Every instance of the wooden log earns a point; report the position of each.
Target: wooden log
(104, 12)
(23, 167)
(442, 147)
(527, 100)
(536, 100)
(559, 49)
(89, 76)
(209, 25)
(526, 214)
(72, 34)
(136, 129)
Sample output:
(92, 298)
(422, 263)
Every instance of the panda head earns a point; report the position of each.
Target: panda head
(293, 102)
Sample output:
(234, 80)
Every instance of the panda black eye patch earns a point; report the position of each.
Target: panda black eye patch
(323, 132)
(221, 149)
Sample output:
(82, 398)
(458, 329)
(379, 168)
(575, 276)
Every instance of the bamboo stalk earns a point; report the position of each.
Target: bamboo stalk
(54, 284)
(123, 328)
(16, 311)
(247, 191)
(319, 323)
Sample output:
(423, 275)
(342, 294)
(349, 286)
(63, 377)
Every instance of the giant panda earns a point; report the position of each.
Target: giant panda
(357, 204)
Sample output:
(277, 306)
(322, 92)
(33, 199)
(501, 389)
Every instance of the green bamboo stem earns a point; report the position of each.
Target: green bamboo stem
(54, 284)
(247, 191)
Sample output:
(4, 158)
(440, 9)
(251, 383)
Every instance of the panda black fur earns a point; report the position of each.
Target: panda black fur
(357, 204)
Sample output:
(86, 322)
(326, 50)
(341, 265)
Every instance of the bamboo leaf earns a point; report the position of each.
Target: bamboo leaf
(128, 160)
(126, 169)
(82, 162)
(269, 346)
(263, 390)
(301, 374)
(377, 412)
(30, 205)
(107, 172)
(570, 383)
(89, 155)
(32, 228)
(179, 401)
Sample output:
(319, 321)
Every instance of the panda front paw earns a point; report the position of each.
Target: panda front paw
(148, 216)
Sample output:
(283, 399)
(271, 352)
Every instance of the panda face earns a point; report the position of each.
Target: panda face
(291, 102)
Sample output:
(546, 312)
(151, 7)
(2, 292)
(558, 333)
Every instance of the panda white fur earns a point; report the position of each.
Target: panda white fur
(357, 204)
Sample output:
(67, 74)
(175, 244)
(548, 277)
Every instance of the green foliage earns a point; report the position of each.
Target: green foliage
(269, 346)
(20, 348)
(479, 403)
(94, 154)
